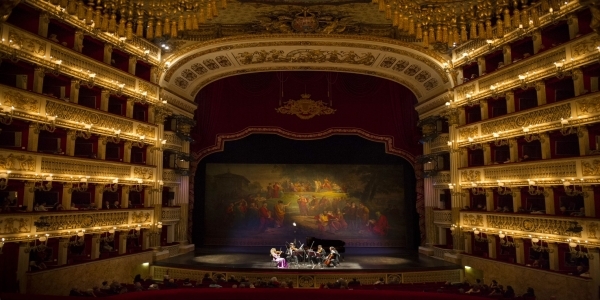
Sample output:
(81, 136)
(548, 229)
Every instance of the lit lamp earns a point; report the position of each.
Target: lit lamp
(4, 180)
(91, 80)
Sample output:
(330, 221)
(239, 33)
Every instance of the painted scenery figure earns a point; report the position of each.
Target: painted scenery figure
(259, 203)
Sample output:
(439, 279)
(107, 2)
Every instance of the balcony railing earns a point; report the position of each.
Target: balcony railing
(442, 217)
(37, 50)
(553, 228)
(440, 143)
(29, 226)
(441, 179)
(171, 214)
(173, 141)
(171, 175)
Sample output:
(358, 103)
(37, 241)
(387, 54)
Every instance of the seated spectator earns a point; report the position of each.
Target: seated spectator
(580, 213)
(476, 289)
(380, 281)
(171, 284)
(524, 158)
(57, 206)
(234, 286)
(536, 264)
(563, 211)
(274, 283)
(232, 280)
(207, 279)
(252, 286)
(521, 210)
(509, 293)
(186, 282)
(153, 286)
(497, 291)
(498, 209)
(213, 284)
(343, 284)
(73, 207)
(98, 292)
(353, 283)
(138, 287)
(105, 286)
(506, 209)
(221, 279)
(166, 279)
(494, 284)
(138, 278)
(75, 292)
(529, 294)
(106, 205)
(115, 287)
(290, 284)
(116, 205)
(243, 279)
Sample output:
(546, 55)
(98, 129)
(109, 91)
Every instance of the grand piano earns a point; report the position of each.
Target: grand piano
(337, 244)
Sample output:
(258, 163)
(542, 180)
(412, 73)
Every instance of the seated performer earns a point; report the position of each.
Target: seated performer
(291, 253)
(333, 257)
(281, 263)
(319, 256)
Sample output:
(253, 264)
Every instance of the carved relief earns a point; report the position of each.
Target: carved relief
(589, 105)
(181, 83)
(26, 163)
(223, 61)
(76, 114)
(199, 68)
(70, 166)
(83, 220)
(472, 220)
(140, 217)
(169, 175)
(147, 87)
(306, 55)
(305, 108)
(590, 167)
(147, 131)
(470, 175)
(586, 46)
(20, 101)
(591, 230)
(541, 116)
(144, 173)
(400, 65)
(6, 162)
(468, 132)
(27, 44)
(412, 70)
(566, 169)
(188, 75)
(210, 64)
(430, 84)
(13, 225)
(528, 224)
(387, 62)
(421, 77)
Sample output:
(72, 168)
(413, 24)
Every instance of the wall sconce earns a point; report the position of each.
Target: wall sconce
(11, 53)
(156, 229)
(84, 131)
(473, 145)
(499, 142)
(79, 186)
(91, 80)
(470, 101)
(571, 189)
(118, 90)
(167, 65)
(455, 229)
(490, 44)
(494, 90)
(2, 245)
(6, 117)
(537, 244)
(50, 127)
(504, 242)
(135, 232)
(160, 147)
(38, 248)
(39, 184)
(503, 189)
(60, 12)
(535, 190)
(109, 236)
(479, 236)
(140, 143)
(115, 139)
(4, 180)
(112, 187)
(563, 68)
(530, 137)
(454, 191)
(476, 191)
(146, 54)
(78, 241)
(138, 187)
(523, 81)
(467, 57)
(57, 67)
(122, 42)
(578, 253)
(568, 130)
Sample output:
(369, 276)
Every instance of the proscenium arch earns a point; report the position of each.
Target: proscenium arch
(196, 65)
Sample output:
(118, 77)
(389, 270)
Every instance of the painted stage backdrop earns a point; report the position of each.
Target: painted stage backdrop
(266, 204)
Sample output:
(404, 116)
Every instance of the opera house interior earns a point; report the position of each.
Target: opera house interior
(431, 149)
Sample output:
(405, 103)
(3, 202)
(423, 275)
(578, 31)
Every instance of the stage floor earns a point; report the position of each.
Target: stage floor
(258, 259)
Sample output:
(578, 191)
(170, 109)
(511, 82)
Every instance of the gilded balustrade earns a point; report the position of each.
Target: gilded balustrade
(173, 141)
(170, 176)
(171, 214)
(27, 226)
(550, 227)
(440, 143)
(38, 50)
(442, 217)
(442, 179)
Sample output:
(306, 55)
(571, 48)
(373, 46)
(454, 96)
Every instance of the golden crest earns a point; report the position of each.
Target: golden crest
(305, 108)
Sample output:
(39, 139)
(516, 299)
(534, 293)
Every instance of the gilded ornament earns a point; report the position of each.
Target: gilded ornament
(591, 167)
(20, 101)
(306, 55)
(468, 132)
(6, 162)
(305, 108)
(589, 105)
(12, 225)
(75, 113)
(472, 220)
(26, 43)
(591, 230)
(147, 131)
(140, 217)
(144, 173)
(586, 46)
(541, 116)
(26, 163)
(470, 176)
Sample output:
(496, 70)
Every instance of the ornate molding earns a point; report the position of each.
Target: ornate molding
(20, 101)
(75, 113)
(470, 176)
(536, 117)
(590, 167)
(305, 108)
(143, 173)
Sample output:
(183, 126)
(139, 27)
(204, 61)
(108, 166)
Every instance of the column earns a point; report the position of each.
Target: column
(99, 189)
(517, 199)
(170, 233)
(553, 256)
(573, 22)
(108, 48)
(492, 246)
(127, 151)
(540, 88)
(104, 98)
(95, 252)
(152, 114)
(464, 158)
(129, 108)
(22, 266)
(588, 201)
(74, 96)
(487, 154)
(489, 199)
(429, 195)
(132, 64)
(154, 74)
(545, 143)
(513, 148)
(506, 51)
(32, 139)
(468, 242)
(63, 250)
(71, 138)
(481, 65)
(578, 81)
(38, 79)
(145, 240)
(182, 196)
(510, 102)
(102, 141)
(43, 26)
(537, 41)
(549, 200)
(123, 242)
(28, 195)
(460, 75)
(66, 196)
(441, 235)
(125, 196)
(594, 268)
(519, 250)
(583, 136)
(457, 243)
(483, 105)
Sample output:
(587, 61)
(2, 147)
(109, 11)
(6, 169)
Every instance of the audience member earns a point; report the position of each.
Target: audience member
(153, 286)
(138, 278)
(207, 279)
(353, 283)
(509, 293)
(138, 286)
(213, 284)
(171, 283)
(186, 282)
(274, 283)
(529, 294)
(380, 281)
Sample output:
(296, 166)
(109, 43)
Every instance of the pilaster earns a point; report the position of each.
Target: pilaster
(545, 143)
(38, 79)
(520, 251)
(33, 138)
(99, 189)
(588, 201)
(540, 89)
(549, 200)
(132, 64)
(510, 102)
(483, 105)
(43, 24)
(63, 251)
(506, 51)
(492, 253)
(71, 137)
(104, 98)
(537, 41)
(553, 256)
(578, 85)
(66, 196)
(74, 96)
(28, 195)
(108, 48)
